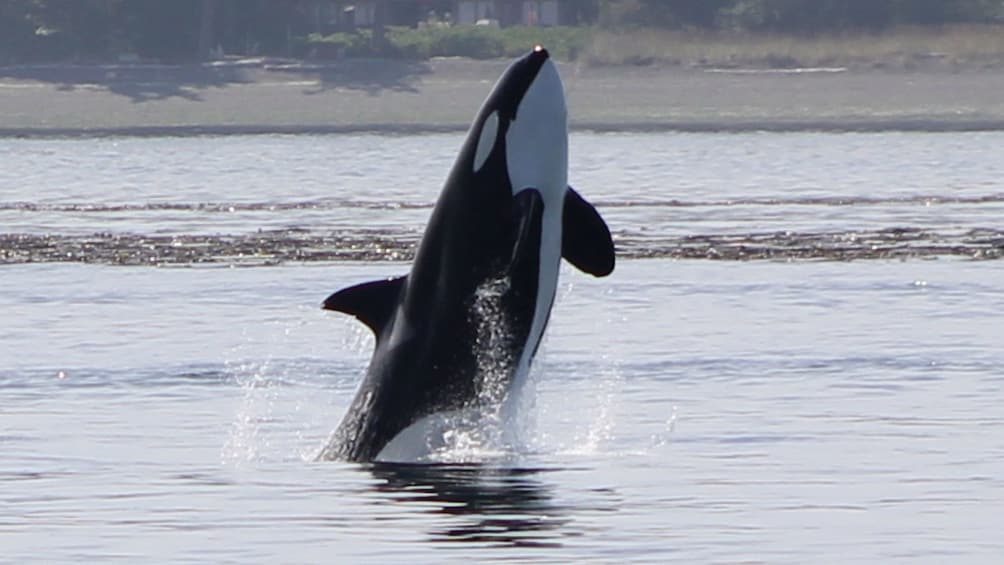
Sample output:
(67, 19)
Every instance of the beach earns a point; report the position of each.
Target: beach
(394, 96)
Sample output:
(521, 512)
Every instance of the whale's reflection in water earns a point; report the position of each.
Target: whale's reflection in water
(484, 503)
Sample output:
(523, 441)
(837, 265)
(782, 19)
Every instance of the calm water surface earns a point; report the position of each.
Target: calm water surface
(690, 411)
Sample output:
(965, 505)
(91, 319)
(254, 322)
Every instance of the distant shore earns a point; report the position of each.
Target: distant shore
(258, 96)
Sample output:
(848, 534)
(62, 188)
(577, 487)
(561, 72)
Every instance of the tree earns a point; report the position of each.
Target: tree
(700, 13)
(206, 28)
(666, 13)
(381, 10)
(17, 31)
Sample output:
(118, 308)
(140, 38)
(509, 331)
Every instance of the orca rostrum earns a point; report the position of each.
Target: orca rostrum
(458, 333)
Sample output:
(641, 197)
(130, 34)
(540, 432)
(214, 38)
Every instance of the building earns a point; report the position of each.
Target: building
(513, 12)
(340, 15)
(328, 16)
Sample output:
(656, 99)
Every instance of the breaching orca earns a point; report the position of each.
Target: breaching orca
(458, 333)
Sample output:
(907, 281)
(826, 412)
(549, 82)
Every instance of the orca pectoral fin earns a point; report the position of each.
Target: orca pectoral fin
(585, 237)
(373, 303)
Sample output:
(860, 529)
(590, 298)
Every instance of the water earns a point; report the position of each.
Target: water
(257, 200)
(685, 410)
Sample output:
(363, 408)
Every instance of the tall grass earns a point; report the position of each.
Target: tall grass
(478, 42)
(904, 46)
(483, 42)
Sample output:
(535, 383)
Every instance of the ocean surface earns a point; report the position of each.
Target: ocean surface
(798, 359)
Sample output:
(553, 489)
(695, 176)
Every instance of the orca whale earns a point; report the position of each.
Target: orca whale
(459, 331)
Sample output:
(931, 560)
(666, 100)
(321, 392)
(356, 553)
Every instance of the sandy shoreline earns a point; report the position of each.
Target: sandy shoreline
(260, 96)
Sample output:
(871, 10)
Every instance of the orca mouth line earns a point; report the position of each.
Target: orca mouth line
(298, 246)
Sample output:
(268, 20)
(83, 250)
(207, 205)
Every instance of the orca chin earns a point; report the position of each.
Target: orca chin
(456, 336)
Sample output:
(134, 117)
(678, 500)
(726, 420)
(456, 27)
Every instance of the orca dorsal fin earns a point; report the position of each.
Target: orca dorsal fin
(373, 303)
(585, 237)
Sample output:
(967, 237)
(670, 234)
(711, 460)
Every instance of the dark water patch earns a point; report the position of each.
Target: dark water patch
(168, 377)
(781, 364)
(923, 200)
(341, 204)
(838, 124)
(284, 246)
(213, 207)
(250, 373)
(889, 243)
(263, 248)
(488, 505)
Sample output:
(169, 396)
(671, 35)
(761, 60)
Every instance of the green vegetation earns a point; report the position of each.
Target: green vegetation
(479, 42)
(797, 16)
(904, 47)
(681, 31)
(487, 42)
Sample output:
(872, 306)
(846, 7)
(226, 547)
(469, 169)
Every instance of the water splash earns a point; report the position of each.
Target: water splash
(357, 338)
(493, 343)
(492, 429)
(601, 429)
(278, 415)
(248, 441)
(506, 427)
(663, 437)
